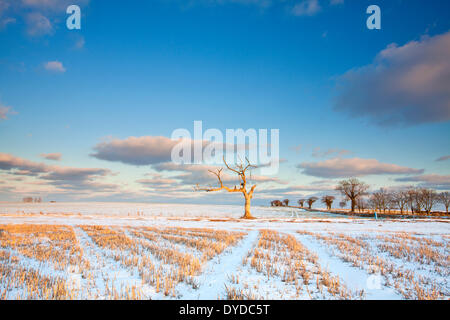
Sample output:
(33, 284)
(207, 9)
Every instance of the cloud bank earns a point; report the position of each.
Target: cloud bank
(59, 176)
(354, 167)
(405, 85)
(435, 181)
(136, 150)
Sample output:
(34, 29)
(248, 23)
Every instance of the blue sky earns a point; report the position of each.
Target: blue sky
(144, 68)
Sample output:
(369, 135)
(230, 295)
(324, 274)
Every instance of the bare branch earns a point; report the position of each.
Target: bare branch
(240, 171)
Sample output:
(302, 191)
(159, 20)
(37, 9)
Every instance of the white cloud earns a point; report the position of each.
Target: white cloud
(39, 15)
(79, 44)
(355, 167)
(306, 8)
(136, 150)
(330, 152)
(5, 111)
(62, 177)
(52, 156)
(443, 158)
(38, 24)
(54, 66)
(147, 150)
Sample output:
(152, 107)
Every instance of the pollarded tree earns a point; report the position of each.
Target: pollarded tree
(286, 202)
(328, 201)
(276, 203)
(310, 201)
(444, 198)
(301, 202)
(241, 171)
(352, 189)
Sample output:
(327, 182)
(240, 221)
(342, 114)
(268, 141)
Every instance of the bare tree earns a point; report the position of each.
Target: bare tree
(427, 199)
(328, 201)
(414, 200)
(276, 203)
(342, 204)
(310, 201)
(301, 202)
(400, 199)
(27, 199)
(373, 203)
(286, 202)
(412, 197)
(241, 171)
(380, 200)
(444, 198)
(352, 189)
(361, 204)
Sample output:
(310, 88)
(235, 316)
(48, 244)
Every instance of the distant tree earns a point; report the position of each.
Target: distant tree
(410, 198)
(301, 202)
(27, 199)
(361, 204)
(380, 200)
(276, 203)
(427, 198)
(328, 201)
(342, 204)
(352, 189)
(400, 199)
(444, 198)
(372, 203)
(286, 202)
(310, 201)
(414, 200)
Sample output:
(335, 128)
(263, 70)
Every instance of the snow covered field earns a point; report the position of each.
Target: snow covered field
(168, 251)
(123, 209)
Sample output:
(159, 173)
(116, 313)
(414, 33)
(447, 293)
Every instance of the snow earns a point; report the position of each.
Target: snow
(123, 209)
(217, 272)
(106, 268)
(353, 277)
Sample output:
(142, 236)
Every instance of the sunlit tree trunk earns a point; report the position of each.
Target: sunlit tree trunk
(247, 214)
